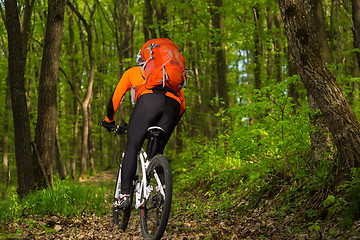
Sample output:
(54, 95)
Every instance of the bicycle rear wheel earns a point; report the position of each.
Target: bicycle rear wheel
(154, 214)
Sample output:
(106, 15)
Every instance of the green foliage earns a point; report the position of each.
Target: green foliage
(255, 160)
(67, 198)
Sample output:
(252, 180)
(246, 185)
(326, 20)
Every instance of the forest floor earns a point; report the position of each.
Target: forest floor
(187, 223)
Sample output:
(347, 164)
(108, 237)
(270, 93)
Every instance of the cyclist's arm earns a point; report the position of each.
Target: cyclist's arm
(121, 88)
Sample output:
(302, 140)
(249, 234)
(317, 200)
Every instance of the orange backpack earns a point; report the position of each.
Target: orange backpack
(163, 65)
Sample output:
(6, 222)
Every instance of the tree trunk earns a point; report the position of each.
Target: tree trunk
(26, 25)
(274, 50)
(162, 19)
(220, 58)
(278, 50)
(60, 166)
(76, 105)
(84, 141)
(317, 22)
(322, 85)
(16, 70)
(5, 173)
(218, 48)
(45, 132)
(321, 142)
(91, 143)
(257, 50)
(75, 140)
(85, 104)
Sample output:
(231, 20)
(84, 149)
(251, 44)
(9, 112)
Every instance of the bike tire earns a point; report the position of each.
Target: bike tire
(155, 212)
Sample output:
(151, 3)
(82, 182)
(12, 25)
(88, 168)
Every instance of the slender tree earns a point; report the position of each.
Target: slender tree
(73, 80)
(86, 102)
(257, 48)
(220, 57)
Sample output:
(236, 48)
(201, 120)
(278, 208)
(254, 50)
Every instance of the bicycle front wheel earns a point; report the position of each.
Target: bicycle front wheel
(154, 214)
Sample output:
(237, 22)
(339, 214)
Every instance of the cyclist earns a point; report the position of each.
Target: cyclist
(159, 106)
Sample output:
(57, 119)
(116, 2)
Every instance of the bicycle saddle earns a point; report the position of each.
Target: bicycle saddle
(156, 130)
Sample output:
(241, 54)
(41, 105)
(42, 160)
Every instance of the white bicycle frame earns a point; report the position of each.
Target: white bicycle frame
(142, 190)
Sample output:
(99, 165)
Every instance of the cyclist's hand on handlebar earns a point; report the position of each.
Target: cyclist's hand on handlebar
(108, 125)
(121, 129)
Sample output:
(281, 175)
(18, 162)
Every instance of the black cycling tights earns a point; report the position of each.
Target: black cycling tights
(152, 109)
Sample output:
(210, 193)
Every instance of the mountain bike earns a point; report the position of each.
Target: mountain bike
(151, 191)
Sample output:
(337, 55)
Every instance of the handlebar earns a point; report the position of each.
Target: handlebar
(120, 129)
(117, 129)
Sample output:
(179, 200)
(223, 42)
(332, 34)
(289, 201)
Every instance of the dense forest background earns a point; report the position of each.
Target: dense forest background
(254, 131)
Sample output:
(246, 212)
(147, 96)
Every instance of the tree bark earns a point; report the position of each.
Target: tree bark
(45, 133)
(16, 70)
(322, 85)
(321, 142)
(26, 26)
(317, 21)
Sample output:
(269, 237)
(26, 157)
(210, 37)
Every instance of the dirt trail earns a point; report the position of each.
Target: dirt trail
(187, 223)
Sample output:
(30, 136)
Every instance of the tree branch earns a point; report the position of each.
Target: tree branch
(71, 86)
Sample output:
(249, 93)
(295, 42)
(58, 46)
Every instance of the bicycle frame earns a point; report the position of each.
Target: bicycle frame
(141, 191)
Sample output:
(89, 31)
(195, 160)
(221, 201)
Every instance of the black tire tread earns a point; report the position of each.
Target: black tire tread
(163, 162)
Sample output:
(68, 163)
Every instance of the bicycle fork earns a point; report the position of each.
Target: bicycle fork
(118, 187)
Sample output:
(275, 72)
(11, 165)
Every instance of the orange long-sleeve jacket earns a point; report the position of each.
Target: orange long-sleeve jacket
(132, 78)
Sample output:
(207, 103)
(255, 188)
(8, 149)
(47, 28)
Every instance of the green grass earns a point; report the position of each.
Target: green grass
(66, 198)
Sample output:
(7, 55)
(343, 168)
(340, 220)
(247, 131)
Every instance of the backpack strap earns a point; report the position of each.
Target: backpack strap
(165, 76)
(151, 46)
